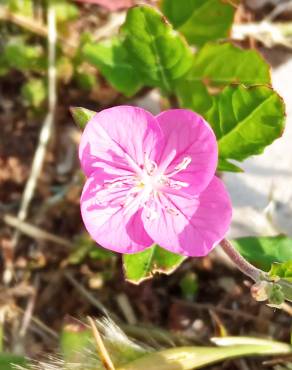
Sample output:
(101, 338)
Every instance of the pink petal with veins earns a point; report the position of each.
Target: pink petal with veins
(111, 5)
(191, 227)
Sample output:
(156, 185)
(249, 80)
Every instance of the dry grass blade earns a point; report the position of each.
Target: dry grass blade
(101, 349)
(35, 232)
(45, 133)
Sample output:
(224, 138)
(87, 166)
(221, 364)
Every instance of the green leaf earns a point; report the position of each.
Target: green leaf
(200, 21)
(276, 295)
(141, 266)
(179, 12)
(4, 67)
(1, 337)
(225, 166)
(99, 253)
(282, 270)
(34, 92)
(24, 7)
(7, 361)
(241, 340)
(23, 56)
(224, 64)
(74, 340)
(112, 58)
(157, 52)
(189, 285)
(246, 120)
(81, 116)
(87, 81)
(65, 11)
(65, 69)
(264, 251)
(121, 348)
(193, 95)
(84, 246)
(78, 345)
(188, 358)
(147, 52)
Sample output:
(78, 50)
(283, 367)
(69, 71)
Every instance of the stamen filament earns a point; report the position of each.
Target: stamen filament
(166, 162)
(181, 166)
(145, 188)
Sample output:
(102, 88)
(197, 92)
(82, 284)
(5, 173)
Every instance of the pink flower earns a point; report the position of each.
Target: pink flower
(151, 180)
(112, 5)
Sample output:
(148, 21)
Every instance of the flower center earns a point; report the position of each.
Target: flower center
(145, 188)
(150, 178)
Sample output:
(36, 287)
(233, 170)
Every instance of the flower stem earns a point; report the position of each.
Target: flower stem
(254, 273)
(241, 263)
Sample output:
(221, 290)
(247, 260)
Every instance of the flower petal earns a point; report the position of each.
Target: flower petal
(103, 215)
(112, 5)
(191, 227)
(117, 139)
(190, 144)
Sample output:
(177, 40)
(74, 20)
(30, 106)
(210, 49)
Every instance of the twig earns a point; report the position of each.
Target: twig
(36, 167)
(86, 294)
(243, 364)
(235, 313)
(40, 324)
(158, 337)
(286, 360)
(115, 22)
(126, 308)
(279, 9)
(22, 21)
(46, 130)
(27, 317)
(35, 232)
(100, 346)
(52, 73)
(34, 26)
(287, 308)
(3, 310)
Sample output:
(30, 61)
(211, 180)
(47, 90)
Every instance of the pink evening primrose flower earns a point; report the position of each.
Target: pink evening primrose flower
(152, 180)
(111, 5)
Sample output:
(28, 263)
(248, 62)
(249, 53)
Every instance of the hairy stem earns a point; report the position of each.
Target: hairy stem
(254, 273)
(241, 263)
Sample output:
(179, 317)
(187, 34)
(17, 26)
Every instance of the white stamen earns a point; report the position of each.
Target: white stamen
(150, 166)
(183, 165)
(143, 188)
(167, 161)
(173, 184)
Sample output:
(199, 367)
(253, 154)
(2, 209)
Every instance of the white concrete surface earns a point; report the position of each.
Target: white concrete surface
(266, 185)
